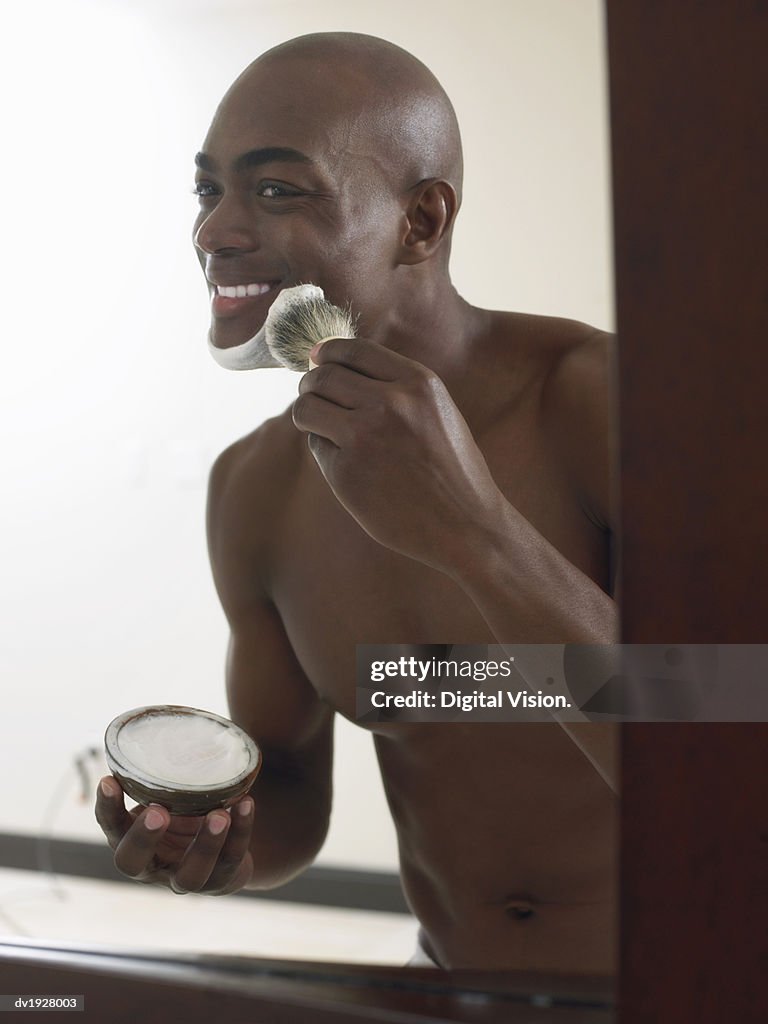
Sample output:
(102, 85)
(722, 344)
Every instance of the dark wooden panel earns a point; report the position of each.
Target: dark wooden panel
(123, 989)
(694, 885)
(690, 161)
(690, 164)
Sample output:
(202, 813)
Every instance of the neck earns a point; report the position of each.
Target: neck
(438, 328)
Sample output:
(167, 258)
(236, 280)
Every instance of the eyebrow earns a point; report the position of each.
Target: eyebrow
(257, 157)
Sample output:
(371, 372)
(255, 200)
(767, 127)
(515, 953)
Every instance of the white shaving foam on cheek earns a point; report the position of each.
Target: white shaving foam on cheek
(289, 297)
(184, 749)
(251, 355)
(255, 353)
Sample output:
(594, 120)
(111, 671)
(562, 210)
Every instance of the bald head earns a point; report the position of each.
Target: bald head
(385, 98)
(334, 159)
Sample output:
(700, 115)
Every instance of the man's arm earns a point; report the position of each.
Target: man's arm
(275, 832)
(518, 581)
(269, 695)
(521, 583)
(271, 699)
(399, 456)
(381, 424)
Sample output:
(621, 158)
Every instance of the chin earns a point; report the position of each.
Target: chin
(251, 354)
(229, 336)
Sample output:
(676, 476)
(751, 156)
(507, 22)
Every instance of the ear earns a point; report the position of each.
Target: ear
(431, 210)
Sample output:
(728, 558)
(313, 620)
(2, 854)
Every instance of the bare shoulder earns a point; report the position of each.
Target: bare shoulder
(570, 365)
(268, 454)
(248, 485)
(265, 449)
(546, 340)
(553, 352)
(580, 370)
(579, 413)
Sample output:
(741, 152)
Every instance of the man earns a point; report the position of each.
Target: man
(444, 480)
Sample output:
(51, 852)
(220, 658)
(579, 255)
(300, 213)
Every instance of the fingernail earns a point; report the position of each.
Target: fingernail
(108, 788)
(153, 820)
(217, 824)
(244, 808)
(314, 352)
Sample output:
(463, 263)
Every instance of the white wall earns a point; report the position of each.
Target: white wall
(112, 409)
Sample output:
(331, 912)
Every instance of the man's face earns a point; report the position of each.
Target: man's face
(291, 191)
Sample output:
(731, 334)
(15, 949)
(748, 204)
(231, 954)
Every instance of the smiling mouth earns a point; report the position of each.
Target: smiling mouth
(242, 291)
(231, 300)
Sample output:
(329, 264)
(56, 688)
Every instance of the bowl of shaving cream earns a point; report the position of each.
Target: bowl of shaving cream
(187, 760)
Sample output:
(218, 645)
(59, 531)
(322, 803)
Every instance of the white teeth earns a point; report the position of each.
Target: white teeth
(240, 291)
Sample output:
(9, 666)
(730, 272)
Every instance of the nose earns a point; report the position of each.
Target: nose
(227, 226)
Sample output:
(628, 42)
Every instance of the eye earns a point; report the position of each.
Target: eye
(204, 190)
(273, 190)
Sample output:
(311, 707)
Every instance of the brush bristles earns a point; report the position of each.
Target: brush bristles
(298, 319)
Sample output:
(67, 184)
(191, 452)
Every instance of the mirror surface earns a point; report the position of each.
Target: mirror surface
(113, 409)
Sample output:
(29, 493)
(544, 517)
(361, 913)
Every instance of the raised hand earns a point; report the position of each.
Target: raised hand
(395, 450)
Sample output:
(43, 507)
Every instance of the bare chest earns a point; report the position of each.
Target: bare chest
(335, 587)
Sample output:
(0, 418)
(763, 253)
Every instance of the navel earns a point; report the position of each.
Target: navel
(518, 909)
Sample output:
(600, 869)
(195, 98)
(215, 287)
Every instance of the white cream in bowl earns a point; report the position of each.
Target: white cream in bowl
(186, 759)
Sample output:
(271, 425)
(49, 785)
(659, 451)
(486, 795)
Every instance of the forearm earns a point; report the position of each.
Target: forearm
(526, 590)
(599, 743)
(290, 824)
(528, 593)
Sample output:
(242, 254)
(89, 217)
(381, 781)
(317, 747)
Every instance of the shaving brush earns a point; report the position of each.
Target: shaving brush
(298, 319)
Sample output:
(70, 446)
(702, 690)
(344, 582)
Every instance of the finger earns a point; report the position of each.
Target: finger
(314, 415)
(364, 357)
(114, 820)
(235, 849)
(339, 384)
(137, 848)
(201, 856)
(323, 452)
(240, 879)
